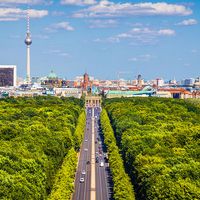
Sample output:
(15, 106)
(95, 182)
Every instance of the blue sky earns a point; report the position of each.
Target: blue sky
(152, 38)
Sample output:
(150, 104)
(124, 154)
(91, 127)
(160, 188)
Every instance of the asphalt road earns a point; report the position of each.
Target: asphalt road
(103, 183)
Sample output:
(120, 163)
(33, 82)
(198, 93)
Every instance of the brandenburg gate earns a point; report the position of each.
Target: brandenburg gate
(92, 101)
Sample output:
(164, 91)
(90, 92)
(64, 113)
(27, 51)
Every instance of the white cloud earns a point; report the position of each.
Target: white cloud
(166, 32)
(30, 2)
(194, 51)
(58, 13)
(14, 36)
(142, 35)
(37, 13)
(57, 52)
(40, 36)
(78, 2)
(188, 22)
(110, 9)
(64, 26)
(145, 57)
(60, 26)
(109, 23)
(13, 14)
(187, 64)
(64, 54)
(8, 19)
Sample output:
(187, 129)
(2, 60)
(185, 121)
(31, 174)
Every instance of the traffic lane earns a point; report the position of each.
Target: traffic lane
(87, 170)
(104, 182)
(103, 192)
(87, 175)
(79, 185)
(89, 157)
(86, 193)
(99, 183)
(88, 166)
(108, 190)
(83, 185)
(100, 186)
(99, 193)
(82, 188)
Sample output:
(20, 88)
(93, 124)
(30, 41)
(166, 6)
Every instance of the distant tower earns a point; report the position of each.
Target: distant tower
(85, 81)
(139, 80)
(28, 42)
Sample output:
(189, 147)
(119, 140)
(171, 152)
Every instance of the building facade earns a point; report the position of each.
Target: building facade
(8, 76)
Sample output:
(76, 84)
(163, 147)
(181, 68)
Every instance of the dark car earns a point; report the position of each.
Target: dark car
(88, 162)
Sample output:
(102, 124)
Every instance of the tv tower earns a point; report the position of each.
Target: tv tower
(28, 43)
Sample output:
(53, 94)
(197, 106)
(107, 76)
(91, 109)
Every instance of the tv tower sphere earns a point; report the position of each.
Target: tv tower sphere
(28, 40)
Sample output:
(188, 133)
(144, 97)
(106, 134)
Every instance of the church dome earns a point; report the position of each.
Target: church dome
(52, 75)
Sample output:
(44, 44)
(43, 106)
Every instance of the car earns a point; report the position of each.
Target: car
(88, 162)
(85, 149)
(101, 164)
(83, 172)
(86, 140)
(82, 180)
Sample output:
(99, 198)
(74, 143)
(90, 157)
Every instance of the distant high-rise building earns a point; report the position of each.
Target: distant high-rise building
(28, 43)
(8, 75)
(189, 82)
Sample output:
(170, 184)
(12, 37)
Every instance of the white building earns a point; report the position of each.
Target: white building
(68, 92)
(8, 75)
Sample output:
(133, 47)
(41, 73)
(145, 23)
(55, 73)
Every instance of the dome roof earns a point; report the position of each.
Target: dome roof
(52, 75)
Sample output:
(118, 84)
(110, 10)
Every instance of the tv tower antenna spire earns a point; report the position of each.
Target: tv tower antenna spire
(28, 42)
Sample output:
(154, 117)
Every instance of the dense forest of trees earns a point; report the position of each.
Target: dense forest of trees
(122, 187)
(63, 186)
(35, 136)
(159, 140)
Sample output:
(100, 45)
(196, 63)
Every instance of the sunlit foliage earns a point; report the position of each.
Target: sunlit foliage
(160, 143)
(35, 136)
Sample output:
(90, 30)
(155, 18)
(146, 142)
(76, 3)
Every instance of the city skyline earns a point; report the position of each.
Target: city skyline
(103, 38)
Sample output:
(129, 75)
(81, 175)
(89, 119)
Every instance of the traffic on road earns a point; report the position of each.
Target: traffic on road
(93, 178)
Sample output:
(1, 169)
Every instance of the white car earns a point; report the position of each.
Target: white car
(101, 164)
(82, 180)
(83, 172)
(86, 149)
